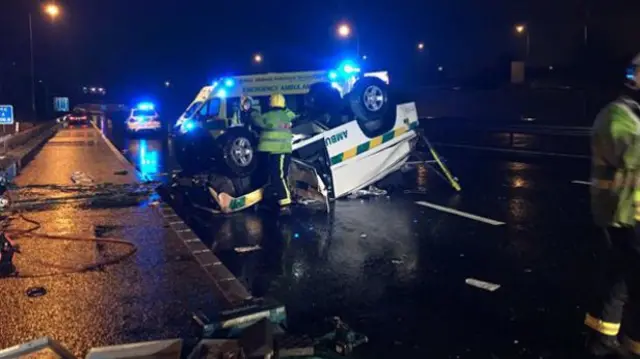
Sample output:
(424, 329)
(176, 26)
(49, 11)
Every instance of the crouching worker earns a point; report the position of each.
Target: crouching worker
(275, 144)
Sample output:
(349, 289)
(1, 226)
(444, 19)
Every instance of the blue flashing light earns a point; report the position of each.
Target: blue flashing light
(145, 106)
(214, 84)
(229, 82)
(349, 67)
(189, 125)
(222, 93)
(333, 75)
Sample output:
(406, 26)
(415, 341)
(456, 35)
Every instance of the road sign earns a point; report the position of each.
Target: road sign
(61, 104)
(6, 115)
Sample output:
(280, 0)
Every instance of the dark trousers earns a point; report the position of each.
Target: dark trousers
(277, 188)
(618, 302)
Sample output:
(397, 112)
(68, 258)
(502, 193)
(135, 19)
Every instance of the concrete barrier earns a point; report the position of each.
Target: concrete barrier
(18, 149)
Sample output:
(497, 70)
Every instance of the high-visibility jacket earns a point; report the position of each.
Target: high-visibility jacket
(276, 134)
(615, 166)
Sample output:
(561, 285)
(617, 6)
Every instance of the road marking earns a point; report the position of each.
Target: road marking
(460, 213)
(586, 183)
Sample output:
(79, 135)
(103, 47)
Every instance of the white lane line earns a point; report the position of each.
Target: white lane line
(586, 183)
(460, 213)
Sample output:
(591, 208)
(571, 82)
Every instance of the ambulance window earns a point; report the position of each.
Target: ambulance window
(192, 109)
(211, 108)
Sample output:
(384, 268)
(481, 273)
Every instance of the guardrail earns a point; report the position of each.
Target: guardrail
(10, 142)
(568, 141)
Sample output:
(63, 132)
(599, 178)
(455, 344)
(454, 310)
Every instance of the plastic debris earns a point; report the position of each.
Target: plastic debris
(491, 287)
(81, 178)
(307, 201)
(363, 235)
(372, 191)
(247, 249)
(397, 261)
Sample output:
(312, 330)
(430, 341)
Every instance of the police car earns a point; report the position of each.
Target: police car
(143, 118)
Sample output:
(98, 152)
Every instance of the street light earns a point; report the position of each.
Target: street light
(421, 46)
(344, 30)
(257, 58)
(53, 11)
(522, 29)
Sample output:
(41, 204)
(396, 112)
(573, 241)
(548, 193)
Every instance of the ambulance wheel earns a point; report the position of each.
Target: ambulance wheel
(238, 152)
(369, 99)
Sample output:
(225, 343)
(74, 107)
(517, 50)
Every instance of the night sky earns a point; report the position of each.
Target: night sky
(129, 45)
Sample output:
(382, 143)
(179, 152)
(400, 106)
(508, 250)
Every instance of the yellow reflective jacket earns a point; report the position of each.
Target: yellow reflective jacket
(276, 134)
(615, 165)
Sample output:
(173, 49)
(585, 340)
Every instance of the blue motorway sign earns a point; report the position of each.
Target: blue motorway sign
(6, 115)
(61, 104)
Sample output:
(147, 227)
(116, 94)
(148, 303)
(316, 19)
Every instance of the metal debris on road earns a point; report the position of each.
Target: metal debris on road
(363, 235)
(35, 292)
(372, 191)
(491, 287)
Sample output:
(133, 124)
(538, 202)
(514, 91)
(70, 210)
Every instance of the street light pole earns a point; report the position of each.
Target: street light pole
(528, 46)
(33, 71)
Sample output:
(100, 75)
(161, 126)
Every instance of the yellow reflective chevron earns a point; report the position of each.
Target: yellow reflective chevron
(601, 326)
(372, 143)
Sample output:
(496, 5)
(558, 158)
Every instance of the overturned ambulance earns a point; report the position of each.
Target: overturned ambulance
(347, 135)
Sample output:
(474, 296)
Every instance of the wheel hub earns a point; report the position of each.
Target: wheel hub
(373, 98)
(241, 151)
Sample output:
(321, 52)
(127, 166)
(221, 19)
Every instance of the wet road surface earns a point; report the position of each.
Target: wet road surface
(395, 269)
(147, 296)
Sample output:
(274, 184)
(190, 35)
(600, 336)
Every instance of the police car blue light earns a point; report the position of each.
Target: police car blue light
(146, 106)
(229, 82)
(333, 75)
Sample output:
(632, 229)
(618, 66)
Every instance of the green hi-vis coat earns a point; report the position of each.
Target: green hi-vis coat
(276, 134)
(615, 170)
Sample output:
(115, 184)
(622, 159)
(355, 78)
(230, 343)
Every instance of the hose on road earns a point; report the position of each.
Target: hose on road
(30, 232)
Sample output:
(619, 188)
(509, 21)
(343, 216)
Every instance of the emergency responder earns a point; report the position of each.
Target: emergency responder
(615, 204)
(275, 143)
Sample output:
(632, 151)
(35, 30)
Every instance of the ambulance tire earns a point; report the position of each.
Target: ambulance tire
(237, 152)
(369, 98)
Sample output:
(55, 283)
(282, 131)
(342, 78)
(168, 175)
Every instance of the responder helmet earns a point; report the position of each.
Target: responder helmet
(633, 74)
(277, 100)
